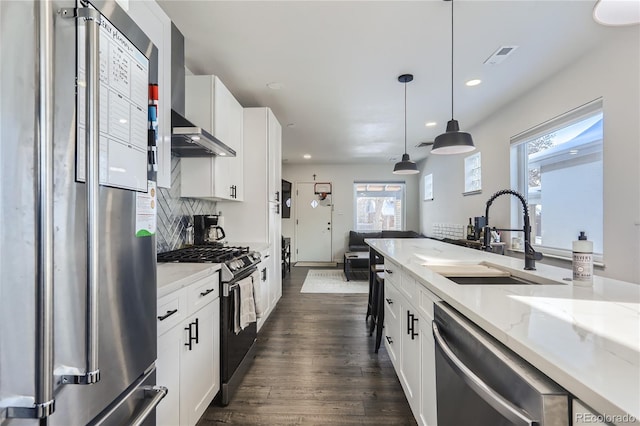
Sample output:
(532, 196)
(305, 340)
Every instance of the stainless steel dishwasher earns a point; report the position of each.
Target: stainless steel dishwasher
(481, 382)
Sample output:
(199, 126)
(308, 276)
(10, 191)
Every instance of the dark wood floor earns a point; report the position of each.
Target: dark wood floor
(315, 365)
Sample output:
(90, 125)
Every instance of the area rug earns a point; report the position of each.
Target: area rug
(331, 281)
(321, 264)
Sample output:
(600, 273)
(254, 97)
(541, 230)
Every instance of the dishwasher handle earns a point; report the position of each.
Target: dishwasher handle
(514, 414)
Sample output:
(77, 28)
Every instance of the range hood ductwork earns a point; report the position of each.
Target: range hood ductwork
(189, 140)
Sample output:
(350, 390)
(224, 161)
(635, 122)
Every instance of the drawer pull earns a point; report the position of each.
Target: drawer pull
(389, 339)
(388, 271)
(389, 301)
(204, 293)
(167, 315)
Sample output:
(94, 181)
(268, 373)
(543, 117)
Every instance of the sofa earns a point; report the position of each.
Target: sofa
(356, 239)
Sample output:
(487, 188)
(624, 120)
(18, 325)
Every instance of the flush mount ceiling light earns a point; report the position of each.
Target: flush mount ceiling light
(453, 141)
(430, 123)
(473, 82)
(617, 12)
(406, 166)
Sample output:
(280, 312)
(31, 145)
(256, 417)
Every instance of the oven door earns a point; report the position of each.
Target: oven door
(235, 348)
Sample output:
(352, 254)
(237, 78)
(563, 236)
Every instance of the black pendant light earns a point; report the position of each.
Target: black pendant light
(406, 166)
(453, 141)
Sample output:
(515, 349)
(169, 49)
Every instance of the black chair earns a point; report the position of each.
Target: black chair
(286, 256)
(377, 265)
(377, 309)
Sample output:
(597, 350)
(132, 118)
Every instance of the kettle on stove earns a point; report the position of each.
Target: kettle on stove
(206, 230)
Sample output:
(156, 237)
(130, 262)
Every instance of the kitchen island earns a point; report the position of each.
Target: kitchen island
(587, 339)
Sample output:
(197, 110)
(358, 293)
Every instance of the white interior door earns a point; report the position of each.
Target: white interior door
(313, 225)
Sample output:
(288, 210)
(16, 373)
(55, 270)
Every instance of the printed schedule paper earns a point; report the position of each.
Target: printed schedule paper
(124, 79)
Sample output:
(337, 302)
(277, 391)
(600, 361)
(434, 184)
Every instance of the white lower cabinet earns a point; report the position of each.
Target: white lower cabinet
(168, 374)
(410, 344)
(188, 351)
(410, 355)
(392, 325)
(199, 372)
(428, 406)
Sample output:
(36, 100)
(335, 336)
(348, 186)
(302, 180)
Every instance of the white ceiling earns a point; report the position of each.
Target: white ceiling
(338, 63)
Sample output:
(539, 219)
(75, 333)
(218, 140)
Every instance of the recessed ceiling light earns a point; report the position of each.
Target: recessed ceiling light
(307, 156)
(616, 12)
(430, 123)
(275, 85)
(222, 154)
(195, 138)
(573, 152)
(473, 82)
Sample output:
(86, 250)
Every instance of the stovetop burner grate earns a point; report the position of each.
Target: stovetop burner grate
(202, 254)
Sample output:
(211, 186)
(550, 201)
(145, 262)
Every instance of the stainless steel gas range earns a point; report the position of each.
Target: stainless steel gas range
(237, 345)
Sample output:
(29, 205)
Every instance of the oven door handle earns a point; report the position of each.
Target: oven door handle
(511, 412)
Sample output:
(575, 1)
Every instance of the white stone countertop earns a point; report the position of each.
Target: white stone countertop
(173, 276)
(587, 339)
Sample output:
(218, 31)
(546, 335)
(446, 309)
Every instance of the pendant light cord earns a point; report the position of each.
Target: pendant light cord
(405, 117)
(452, 59)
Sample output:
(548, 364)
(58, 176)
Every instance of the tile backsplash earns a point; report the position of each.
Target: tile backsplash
(174, 213)
(448, 230)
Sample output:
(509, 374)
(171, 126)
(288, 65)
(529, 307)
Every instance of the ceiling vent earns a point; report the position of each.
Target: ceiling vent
(500, 55)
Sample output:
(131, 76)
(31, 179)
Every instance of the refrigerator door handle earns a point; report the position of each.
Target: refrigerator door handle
(42, 405)
(91, 18)
(153, 395)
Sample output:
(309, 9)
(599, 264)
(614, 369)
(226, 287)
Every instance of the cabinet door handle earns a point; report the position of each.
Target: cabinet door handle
(198, 330)
(207, 291)
(389, 301)
(264, 274)
(167, 315)
(389, 340)
(414, 334)
(409, 322)
(277, 195)
(190, 336)
(388, 271)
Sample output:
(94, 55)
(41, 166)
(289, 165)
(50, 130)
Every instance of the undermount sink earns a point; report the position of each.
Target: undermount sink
(485, 274)
(501, 280)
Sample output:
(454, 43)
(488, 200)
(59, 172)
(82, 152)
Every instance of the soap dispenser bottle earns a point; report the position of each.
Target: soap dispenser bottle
(583, 261)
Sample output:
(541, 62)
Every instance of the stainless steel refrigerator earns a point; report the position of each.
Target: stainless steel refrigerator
(77, 216)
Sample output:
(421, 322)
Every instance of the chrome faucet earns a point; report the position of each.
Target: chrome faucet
(530, 255)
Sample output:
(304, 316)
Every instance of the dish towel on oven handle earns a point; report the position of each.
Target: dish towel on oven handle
(247, 307)
(257, 294)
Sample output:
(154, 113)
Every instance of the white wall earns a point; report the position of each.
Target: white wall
(342, 177)
(612, 72)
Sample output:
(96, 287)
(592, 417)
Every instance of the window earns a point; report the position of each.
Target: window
(379, 206)
(558, 167)
(472, 174)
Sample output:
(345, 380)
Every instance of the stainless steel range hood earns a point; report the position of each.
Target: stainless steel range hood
(188, 139)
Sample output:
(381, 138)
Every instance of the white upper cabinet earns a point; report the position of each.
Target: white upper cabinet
(258, 218)
(210, 105)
